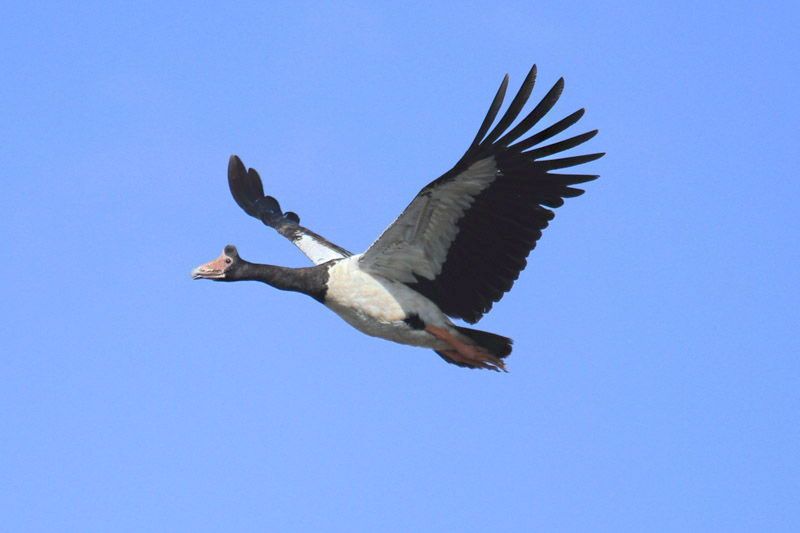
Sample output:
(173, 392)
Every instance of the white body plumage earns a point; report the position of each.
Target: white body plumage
(378, 306)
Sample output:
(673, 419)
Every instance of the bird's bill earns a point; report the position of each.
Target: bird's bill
(213, 270)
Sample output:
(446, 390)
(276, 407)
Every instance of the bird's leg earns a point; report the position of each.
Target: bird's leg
(472, 356)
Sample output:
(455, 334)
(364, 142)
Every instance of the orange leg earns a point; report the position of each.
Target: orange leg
(472, 356)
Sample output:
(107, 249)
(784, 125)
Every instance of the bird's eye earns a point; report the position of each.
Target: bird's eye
(228, 261)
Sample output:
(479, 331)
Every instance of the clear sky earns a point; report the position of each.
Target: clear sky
(654, 382)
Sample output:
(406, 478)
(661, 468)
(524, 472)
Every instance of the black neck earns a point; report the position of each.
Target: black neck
(310, 280)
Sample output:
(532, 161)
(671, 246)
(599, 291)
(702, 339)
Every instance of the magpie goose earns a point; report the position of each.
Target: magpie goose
(455, 250)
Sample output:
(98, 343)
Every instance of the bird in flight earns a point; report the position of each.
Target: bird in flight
(452, 253)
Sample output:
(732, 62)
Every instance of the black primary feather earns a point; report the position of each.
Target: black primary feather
(248, 191)
(503, 223)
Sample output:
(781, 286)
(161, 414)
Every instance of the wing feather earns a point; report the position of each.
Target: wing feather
(492, 114)
(547, 133)
(516, 106)
(248, 192)
(466, 236)
(536, 115)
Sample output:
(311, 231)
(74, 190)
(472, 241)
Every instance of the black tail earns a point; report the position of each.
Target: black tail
(496, 345)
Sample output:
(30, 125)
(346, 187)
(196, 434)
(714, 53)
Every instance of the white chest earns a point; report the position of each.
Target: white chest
(378, 306)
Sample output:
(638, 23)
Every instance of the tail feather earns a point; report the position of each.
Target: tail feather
(496, 345)
(452, 361)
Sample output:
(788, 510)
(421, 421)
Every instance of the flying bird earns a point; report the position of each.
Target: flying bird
(452, 253)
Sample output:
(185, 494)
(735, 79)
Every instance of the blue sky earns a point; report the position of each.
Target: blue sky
(654, 382)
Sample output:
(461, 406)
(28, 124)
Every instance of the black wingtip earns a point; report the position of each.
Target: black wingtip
(268, 204)
(248, 192)
(236, 167)
(490, 115)
(237, 182)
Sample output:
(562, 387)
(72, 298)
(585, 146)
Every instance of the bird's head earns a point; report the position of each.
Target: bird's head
(226, 267)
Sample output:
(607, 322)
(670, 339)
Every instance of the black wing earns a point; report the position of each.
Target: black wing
(464, 239)
(248, 192)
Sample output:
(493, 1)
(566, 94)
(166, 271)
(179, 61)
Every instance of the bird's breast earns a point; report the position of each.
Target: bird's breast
(377, 306)
(356, 292)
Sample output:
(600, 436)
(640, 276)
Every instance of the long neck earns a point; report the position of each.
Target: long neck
(311, 280)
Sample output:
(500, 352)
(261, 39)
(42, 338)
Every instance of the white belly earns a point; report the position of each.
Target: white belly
(378, 306)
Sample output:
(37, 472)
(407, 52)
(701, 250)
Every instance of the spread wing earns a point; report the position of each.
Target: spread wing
(464, 239)
(248, 192)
